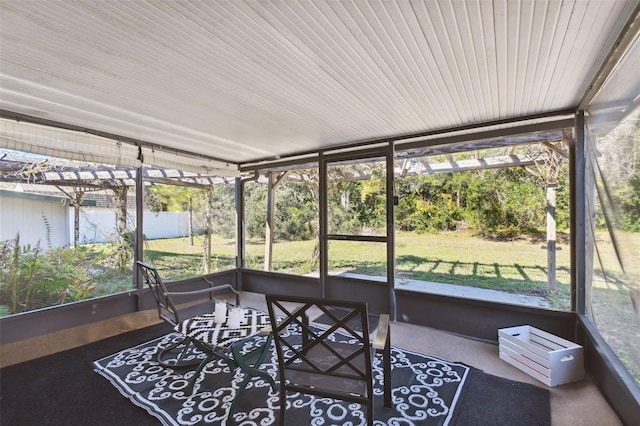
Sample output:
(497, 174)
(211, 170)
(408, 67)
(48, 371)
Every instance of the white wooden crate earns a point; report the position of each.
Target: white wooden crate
(548, 358)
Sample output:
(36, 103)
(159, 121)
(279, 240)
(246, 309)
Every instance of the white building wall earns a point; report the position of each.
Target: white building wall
(38, 220)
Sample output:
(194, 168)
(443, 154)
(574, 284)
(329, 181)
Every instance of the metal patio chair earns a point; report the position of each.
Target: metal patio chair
(316, 361)
(167, 310)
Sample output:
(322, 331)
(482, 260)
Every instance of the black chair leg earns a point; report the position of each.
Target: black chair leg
(386, 365)
(283, 405)
(178, 364)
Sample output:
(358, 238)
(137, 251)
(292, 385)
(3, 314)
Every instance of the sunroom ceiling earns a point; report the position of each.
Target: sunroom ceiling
(242, 81)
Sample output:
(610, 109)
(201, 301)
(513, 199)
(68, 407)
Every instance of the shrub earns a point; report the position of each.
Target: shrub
(31, 278)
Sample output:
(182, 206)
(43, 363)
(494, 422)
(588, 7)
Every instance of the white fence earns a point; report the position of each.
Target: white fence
(49, 221)
(99, 225)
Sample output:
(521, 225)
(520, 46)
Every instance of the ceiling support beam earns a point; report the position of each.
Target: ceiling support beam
(553, 121)
(627, 36)
(493, 135)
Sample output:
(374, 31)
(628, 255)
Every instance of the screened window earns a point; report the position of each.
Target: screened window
(67, 230)
(612, 145)
(68, 212)
(613, 292)
(490, 224)
(189, 229)
(281, 221)
(357, 218)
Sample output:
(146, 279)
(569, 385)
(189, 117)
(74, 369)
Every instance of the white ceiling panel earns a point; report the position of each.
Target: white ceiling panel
(247, 80)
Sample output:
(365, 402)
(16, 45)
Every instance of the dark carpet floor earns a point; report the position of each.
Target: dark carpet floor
(63, 389)
(354, 323)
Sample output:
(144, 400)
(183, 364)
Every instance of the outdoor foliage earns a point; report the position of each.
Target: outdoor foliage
(224, 216)
(159, 198)
(431, 203)
(618, 159)
(255, 211)
(296, 215)
(356, 207)
(502, 203)
(629, 201)
(296, 211)
(505, 202)
(615, 310)
(31, 278)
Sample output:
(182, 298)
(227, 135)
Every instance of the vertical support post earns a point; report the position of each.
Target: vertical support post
(239, 199)
(76, 197)
(590, 199)
(578, 215)
(391, 252)
(239, 206)
(190, 221)
(209, 230)
(138, 245)
(268, 232)
(77, 201)
(272, 184)
(123, 255)
(322, 227)
(76, 223)
(551, 237)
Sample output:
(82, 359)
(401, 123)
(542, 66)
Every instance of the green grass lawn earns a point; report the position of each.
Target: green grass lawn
(177, 258)
(518, 266)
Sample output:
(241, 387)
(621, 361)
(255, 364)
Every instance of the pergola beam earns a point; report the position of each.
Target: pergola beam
(423, 167)
(100, 176)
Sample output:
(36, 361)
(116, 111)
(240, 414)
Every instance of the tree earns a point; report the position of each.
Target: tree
(296, 213)
(505, 202)
(255, 212)
(431, 203)
(125, 238)
(619, 161)
(170, 198)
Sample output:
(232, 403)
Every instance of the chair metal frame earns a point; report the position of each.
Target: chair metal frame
(314, 363)
(167, 310)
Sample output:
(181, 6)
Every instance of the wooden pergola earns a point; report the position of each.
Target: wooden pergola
(74, 180)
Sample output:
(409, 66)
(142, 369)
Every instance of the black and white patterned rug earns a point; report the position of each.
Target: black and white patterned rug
(425, 391)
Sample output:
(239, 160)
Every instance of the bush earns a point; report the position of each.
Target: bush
(505, 203)
(31, 278)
